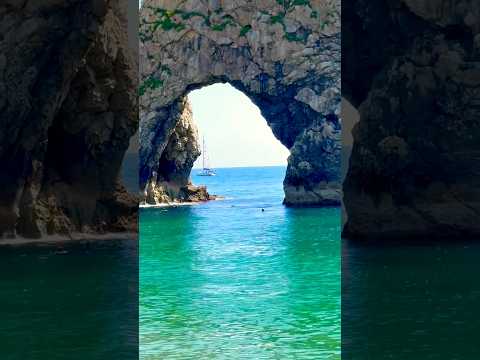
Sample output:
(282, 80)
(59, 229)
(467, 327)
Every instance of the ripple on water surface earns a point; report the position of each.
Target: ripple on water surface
(226, 281)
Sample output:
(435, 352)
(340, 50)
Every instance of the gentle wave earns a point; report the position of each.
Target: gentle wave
(227, 280)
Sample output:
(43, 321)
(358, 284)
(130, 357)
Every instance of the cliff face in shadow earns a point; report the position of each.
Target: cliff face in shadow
(68, 106)
(285, 56)
(415, 165)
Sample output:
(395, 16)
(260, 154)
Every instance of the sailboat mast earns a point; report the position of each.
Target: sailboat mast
(203, 153)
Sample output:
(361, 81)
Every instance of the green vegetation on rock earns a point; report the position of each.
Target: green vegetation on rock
(245, 29)
(228, 20)
(150, 83)
(277, 19)
(171, 20)
(289, 4)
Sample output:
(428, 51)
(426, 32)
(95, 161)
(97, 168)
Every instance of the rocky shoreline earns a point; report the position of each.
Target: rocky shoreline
(168, 193)
(179, 204)
(71, 238)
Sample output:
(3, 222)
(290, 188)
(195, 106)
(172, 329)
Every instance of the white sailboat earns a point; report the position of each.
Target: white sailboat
(206, 170)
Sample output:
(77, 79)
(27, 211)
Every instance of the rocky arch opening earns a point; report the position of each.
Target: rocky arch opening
(287, 64)
(313, 171)
(236, 134)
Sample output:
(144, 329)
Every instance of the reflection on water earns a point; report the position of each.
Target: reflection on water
(410, 301)
(225, 280)
(76, 301)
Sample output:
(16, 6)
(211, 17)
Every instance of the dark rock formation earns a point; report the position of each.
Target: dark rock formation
(314, 164)
(68, 108)
(171, 183)
(415, 165)
(284, 56)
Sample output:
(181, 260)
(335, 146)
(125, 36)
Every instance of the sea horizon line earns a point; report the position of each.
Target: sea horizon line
(241, 167)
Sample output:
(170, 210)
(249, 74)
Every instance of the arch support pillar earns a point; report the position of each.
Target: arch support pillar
(313, 172)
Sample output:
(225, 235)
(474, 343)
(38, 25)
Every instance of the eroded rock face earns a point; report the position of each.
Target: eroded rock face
(415, 165)
(171, 182)
(69, 108)
(284, 55)
(314, 165)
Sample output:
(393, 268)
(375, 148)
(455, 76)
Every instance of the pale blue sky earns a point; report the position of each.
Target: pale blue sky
(235, 132)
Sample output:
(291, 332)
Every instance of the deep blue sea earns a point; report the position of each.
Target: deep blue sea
(224, 280)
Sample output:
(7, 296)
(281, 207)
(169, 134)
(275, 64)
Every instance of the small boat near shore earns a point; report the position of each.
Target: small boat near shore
(206, 170)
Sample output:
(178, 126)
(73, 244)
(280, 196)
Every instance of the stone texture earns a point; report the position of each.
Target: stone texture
(68, 104)
(170, 183)
(314, 174)
(415, 165)
(284, 57)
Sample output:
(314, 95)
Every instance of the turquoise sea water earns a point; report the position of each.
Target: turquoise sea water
(224, 280)
(72, 301)
(261, 296)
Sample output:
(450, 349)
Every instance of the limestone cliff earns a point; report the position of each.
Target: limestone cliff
(414, 170)
(68, 108)
(284, 55)
(171, 182)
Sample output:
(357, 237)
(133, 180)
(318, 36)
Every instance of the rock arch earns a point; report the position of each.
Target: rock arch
(284, 55)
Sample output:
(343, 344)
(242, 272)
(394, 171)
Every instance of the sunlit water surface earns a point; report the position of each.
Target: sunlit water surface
(224, 280)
